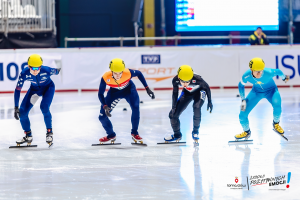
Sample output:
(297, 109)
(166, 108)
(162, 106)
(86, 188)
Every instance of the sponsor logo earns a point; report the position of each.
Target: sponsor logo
(43, 74)
(158, 74)
(193, 81)
(108, 80)
(150, 59)
(44, 78)
(236, 185)
(42, 81)
(28, 76)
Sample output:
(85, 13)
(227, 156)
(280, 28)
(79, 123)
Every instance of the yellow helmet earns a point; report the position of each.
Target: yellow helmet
(257, 64)
(185, 73)
(35, 60)
(117, 65)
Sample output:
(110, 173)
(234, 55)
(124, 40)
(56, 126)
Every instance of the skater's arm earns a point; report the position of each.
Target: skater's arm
(208, 92)
(242, 90)
(54, 71)
(175, 92)
(137, 73)
(101, 91)
(18, 89)
(278, 72)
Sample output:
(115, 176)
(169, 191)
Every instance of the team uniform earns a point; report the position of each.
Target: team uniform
(263, 87)
(197, 90)
(41, 86)
(123, 88)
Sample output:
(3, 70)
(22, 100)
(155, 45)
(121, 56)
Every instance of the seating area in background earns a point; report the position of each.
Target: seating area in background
(24, 15)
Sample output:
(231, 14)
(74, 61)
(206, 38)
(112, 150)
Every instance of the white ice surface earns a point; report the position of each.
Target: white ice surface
(73, 169)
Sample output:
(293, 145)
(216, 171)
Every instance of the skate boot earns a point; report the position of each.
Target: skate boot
(49, 137)
(244, 135)
(172, 138)
(106, 140)
(137, 138)
(28, 138)
(278, 128)
(195, 136)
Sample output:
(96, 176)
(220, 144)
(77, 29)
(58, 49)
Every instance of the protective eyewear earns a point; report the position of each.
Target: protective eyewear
(184, 81)
(259, 71)
(35, 68)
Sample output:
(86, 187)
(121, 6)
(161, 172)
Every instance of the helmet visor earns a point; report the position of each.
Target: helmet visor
(185, 81)
(35, 68)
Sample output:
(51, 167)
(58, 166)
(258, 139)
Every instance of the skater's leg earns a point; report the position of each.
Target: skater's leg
(199, 99)
(275, 99)
(111, 101)
(134, 101)
(181, 105)
(45, 106)
(26, 105)
(252, 99)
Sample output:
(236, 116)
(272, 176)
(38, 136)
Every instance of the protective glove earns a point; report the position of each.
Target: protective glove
(209, 106)
(287, 78)
(243, 105)
(107, 110)
(17, 113)
(150, 93)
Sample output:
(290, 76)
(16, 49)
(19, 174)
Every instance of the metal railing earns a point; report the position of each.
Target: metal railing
(175, 38)
(27, 16)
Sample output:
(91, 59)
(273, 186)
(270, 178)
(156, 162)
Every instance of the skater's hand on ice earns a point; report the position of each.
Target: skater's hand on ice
(17, 113)
(209, 106)
(107, 110)
(150, 93)
(287, 78)
(243, 105)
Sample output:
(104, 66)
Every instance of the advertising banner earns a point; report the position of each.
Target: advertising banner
(83, 68)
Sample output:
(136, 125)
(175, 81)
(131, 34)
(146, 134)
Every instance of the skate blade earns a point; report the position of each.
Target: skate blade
(139, 144)
(174, 143)
(280, 135)
(106, 144)
(241, 142)
(22, 146)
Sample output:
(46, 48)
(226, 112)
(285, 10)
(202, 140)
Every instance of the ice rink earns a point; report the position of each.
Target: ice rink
(73, 169)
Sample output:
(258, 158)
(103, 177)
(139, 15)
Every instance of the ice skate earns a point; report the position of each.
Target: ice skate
(172, 140)
(242, 138)
(49, 138)
(277, 128)
(27, 139)
(137, 140)
(195, 136)
(107, 141)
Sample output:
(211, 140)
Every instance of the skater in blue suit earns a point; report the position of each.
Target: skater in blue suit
(263, 87)
(41, 85)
